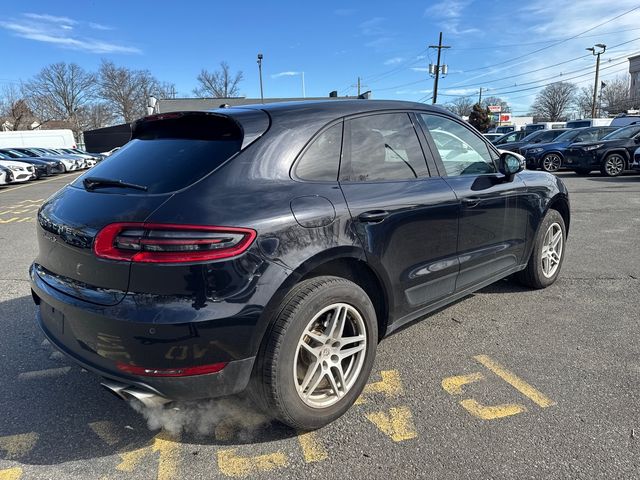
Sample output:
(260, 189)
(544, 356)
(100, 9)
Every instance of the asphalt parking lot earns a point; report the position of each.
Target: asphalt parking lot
(506, 383)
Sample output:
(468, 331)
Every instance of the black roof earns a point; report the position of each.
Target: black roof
(326, 110)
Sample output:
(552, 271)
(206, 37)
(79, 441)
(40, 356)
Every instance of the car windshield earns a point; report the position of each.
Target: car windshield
(533, 136)
(16, 154)
(569, 135)
(626, 132)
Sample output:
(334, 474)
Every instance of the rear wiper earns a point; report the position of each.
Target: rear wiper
(91, 183)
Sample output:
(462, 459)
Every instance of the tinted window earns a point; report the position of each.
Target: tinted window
(321, 160)
(169, 154)
(384, 147)
(461, 150)
(625, 132)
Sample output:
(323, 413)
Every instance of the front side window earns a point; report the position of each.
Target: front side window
(461, 150)
(384, 147)
(321, 160)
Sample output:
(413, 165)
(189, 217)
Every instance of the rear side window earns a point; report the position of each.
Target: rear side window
(384, 147)
(168, 154)
(320, 162)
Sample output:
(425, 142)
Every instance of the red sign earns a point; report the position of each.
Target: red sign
(495, 108)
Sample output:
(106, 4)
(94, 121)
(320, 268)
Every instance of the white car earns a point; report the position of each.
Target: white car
(22, 172)
(5, 176)
(111, 152)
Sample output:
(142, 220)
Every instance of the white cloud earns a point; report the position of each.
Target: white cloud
(100, 26)
(288, 73)
(373, 26)
(394, 61)
(50, 18)
(62, 32)
(447, 9)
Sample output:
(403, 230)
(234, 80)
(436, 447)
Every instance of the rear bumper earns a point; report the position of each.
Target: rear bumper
(95, 338)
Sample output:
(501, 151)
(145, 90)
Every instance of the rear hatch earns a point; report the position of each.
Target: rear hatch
(167, 154)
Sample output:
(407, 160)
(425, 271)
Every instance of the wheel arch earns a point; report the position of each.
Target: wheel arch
(560, 203)
(620, 151)
(347, 262)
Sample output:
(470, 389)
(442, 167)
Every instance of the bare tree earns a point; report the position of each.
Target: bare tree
(58, 91)
(96, 115)
(496, 101)
(461, 106)
(584, 101)
(127, 91)
(14, 109)
(553, 102)
(615, 95)
(218, 84)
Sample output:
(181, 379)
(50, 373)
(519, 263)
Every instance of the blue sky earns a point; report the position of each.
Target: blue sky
(333, 43)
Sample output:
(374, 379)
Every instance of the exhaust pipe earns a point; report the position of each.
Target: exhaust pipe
(114, 388)
(125, 392)
(149, 400)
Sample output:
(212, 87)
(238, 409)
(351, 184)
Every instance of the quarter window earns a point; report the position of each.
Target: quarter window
(384, 147)
(461, 150)
(321, 160)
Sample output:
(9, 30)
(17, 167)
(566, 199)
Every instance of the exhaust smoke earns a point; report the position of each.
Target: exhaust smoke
(226, 419)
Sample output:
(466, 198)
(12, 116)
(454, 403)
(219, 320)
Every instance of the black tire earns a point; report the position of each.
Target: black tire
(613, 165)
(552, 162)
(582, 171)
(273, 386)
(533, 275)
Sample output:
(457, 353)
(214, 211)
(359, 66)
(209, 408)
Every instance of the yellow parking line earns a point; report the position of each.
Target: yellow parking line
(11, 473)
(312, 450)
(523, 387)
(17, 446)
(40, 182)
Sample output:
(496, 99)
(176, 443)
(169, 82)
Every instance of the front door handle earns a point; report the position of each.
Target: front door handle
(373, 216)
(471, 201)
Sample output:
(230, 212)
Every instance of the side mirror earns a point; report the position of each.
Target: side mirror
(510, 163)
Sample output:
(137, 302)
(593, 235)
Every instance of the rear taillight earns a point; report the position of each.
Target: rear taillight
(168, 243)
(171, 372)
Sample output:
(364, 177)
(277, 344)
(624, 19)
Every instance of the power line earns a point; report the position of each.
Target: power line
(493, 47)
(554, 44)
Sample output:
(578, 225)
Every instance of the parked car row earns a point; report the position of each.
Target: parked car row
(611, 150)
(21, 164)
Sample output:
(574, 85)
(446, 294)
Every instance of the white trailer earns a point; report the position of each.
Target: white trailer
(38, 138)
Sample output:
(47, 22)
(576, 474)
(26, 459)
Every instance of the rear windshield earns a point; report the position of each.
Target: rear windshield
(170, 154)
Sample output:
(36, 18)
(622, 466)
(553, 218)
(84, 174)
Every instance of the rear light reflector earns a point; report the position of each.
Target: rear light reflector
(171, 372)
(169, 243)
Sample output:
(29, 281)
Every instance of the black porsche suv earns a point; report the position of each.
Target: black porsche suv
(612, 155)
(270, 247)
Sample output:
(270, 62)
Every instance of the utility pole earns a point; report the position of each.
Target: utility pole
(438, 68)
(480, 97)
(597, 54)
(260, 71)
(358, 86)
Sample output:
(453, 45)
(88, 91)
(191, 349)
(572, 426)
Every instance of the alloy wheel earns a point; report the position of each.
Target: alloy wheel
(552, 247)
(551, 162)
(614, 165)
(330, 355)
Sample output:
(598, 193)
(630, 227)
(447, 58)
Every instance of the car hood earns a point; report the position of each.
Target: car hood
(547, 146)
(14, 163)
(613, 142)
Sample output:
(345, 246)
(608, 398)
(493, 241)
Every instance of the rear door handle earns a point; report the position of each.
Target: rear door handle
(471, 201)
(373, 216)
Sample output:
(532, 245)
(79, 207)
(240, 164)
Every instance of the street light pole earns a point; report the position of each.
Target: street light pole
(260, 71)
(597, 54)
